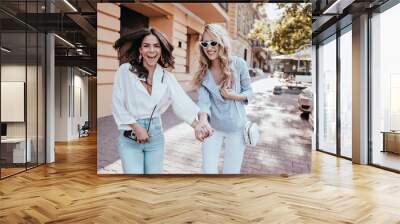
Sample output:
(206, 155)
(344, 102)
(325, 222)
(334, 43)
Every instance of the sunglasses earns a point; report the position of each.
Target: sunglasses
(205, 44)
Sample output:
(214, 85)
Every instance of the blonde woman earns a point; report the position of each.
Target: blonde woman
(223, 84)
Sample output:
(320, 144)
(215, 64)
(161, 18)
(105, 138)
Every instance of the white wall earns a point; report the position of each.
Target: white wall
(50, 95)
(67, 115)
(61, 103)
(79, 117)
(360, 90)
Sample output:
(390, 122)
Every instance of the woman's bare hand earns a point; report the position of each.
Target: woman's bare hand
(228, 94)
(141, 134)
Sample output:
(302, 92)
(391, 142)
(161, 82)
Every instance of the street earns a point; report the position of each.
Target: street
(284, 146)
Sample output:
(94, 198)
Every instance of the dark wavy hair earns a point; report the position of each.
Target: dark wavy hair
(128, 50)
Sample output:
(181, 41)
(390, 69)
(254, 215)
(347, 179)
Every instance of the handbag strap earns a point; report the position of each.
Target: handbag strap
(151, 116)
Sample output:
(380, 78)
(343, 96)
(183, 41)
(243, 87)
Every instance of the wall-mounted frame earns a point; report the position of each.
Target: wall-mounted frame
(12, 101)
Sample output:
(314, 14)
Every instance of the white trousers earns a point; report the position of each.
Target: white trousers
(233, 152)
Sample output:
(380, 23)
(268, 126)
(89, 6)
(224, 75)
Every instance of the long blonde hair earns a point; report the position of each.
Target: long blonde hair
(222, 37)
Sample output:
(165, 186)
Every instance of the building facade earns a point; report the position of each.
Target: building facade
(180, 22)
(242, 16)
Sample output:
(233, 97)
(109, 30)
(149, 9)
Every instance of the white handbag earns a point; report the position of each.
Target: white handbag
(251, 134)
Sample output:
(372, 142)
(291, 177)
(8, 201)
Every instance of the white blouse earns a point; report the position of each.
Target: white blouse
(131, 101)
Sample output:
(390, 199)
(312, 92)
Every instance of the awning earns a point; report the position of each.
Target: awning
(302, 55)
(209, 12)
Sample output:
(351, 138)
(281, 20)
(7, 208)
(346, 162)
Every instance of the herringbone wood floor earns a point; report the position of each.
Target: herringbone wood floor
(70, 191)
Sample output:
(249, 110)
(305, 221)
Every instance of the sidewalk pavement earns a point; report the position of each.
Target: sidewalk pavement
(284, 146)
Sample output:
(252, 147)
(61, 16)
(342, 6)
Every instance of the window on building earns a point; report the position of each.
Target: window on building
(132, 21)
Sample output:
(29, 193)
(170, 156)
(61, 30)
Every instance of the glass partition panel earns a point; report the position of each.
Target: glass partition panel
(41, 99)
(327, 96)
(14, 153)
(346, 93)
(31, 98)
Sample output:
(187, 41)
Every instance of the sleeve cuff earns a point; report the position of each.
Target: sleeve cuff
(248, 95)
(126, 125)
(207, 111)
(204, 109)
(194, 117)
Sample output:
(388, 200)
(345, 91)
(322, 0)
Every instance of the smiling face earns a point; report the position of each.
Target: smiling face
(210, 51)
(150, 50)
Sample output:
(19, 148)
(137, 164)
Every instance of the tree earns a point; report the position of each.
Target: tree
(260, 31)
(261, 28)
(293, 30)
(260, 7)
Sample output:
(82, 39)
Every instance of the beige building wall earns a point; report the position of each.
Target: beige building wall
(232, 27)
(187, 28)
(179, 40)
(194, 53)
(164, 24)
(108, 27)
(240, 23)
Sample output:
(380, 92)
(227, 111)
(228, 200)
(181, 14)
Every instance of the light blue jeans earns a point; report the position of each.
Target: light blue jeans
(143, 158)
(233, 152)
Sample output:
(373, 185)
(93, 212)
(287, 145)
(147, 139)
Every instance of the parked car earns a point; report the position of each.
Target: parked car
(305, 100)
(277, 90)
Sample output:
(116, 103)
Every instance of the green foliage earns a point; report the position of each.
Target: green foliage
(292, 32)
(260, 31)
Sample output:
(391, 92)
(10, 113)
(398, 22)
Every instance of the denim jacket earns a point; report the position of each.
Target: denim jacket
(226, 115)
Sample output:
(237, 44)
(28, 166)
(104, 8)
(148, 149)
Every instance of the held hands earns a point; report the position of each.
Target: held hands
(203, 130)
